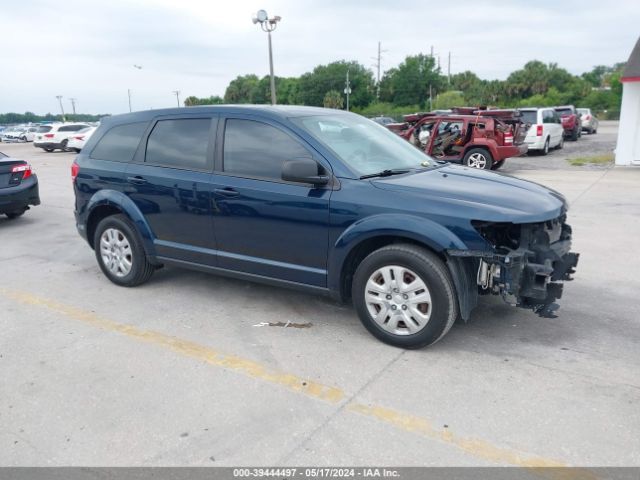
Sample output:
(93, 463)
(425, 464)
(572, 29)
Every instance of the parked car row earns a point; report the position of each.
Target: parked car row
(19, 133)
(62, 136)
(477, 138)
(484, 138)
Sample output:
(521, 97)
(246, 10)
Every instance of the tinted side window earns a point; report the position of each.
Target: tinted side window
(180, 143)
(120, 143)
(547, 117)
(255, 149)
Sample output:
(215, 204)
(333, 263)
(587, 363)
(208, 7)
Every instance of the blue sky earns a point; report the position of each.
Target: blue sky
(87, 50)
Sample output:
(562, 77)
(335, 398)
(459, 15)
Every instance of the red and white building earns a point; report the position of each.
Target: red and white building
(628, 148)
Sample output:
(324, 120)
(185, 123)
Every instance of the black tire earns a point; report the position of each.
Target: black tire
(560, 145)
(432, 271)
(48, 150)
(498, 165)
(63, 145)
(574, 135)
(13, 215)
(478, 156)
(141, 269)
(545, 149)
(594, 131)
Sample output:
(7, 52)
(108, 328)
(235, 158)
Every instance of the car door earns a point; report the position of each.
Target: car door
(264, 225)
(169, 182)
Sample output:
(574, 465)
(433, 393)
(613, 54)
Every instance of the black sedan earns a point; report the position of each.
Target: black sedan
(18, 186)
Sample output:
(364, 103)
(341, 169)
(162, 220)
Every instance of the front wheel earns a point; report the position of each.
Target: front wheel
(404, 296)
(478, 158)
(120, 253)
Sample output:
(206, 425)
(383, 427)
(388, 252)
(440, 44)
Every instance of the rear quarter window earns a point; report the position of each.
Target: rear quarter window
(44, 129)
(120, 143)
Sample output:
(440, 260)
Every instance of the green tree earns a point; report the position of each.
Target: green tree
(409, 83)
(450, 99)
(212, 100)
(333, 99)
(313, 86)
(242, 89)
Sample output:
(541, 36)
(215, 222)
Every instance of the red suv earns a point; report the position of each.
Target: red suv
(476, 138)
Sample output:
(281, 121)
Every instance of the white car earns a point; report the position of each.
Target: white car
(19, 134)
(77, 141)
(545, 131)
(589, 120)
(56, 135)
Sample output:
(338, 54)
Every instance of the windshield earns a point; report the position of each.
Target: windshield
(362, 144)
(564, 111)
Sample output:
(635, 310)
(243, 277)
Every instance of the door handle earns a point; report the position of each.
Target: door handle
(226, 192)
(137, 180)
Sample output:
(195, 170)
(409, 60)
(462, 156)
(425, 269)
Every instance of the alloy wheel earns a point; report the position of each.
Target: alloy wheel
(116, 253)
(477, 160)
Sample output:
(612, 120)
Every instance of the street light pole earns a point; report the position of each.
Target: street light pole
(268, 25)
(177, 93)
(137, 67)
(59, 97)
(73, 105)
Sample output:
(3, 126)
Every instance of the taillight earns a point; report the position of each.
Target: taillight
(79, 137)
(587, 117)
(25, 169)
(508, 138)
(538, 130)
(48, 135)
(75, 169)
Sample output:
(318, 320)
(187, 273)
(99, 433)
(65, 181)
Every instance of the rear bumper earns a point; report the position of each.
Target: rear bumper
(47, 145)
(511, 151)
(20, 196)
(535, 143)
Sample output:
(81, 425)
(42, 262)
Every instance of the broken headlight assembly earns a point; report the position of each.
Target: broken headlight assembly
(526, 264)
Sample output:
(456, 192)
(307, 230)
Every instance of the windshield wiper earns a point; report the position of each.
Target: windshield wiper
(386, 173)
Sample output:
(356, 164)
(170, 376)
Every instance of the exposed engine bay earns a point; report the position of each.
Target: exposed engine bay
(526, 267)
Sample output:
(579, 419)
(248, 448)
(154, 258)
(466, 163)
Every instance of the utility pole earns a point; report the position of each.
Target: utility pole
(449, 69)
(430, 99)
(177, 94)
(129, 93)
(378, 66)
(59, 97)
(73, 105)
(431, 51)
(347, 89)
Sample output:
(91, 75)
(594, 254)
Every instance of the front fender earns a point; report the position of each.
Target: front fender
(420, 229)
(129, 208)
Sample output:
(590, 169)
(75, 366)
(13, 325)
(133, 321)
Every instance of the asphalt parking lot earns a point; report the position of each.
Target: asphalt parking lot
(186, 370)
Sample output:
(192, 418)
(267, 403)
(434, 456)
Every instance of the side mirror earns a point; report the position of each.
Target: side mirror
(303, 170)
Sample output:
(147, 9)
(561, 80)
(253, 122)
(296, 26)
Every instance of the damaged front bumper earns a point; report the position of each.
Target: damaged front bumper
(525, 267)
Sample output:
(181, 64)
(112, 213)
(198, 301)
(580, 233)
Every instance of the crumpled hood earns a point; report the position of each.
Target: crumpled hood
(479, 194)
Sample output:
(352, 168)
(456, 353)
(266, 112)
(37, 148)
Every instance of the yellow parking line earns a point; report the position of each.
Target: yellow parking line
(402, 421)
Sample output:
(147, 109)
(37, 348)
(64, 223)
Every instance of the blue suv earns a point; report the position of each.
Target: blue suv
(322, 200)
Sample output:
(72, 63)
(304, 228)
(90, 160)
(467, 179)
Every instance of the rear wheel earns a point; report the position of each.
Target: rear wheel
(404, 296)
(560, 145)
(48, 150)
(120, 253)
(478, 158)
(16, 214)
(575, 135)
(545, 149)
(63, 145)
